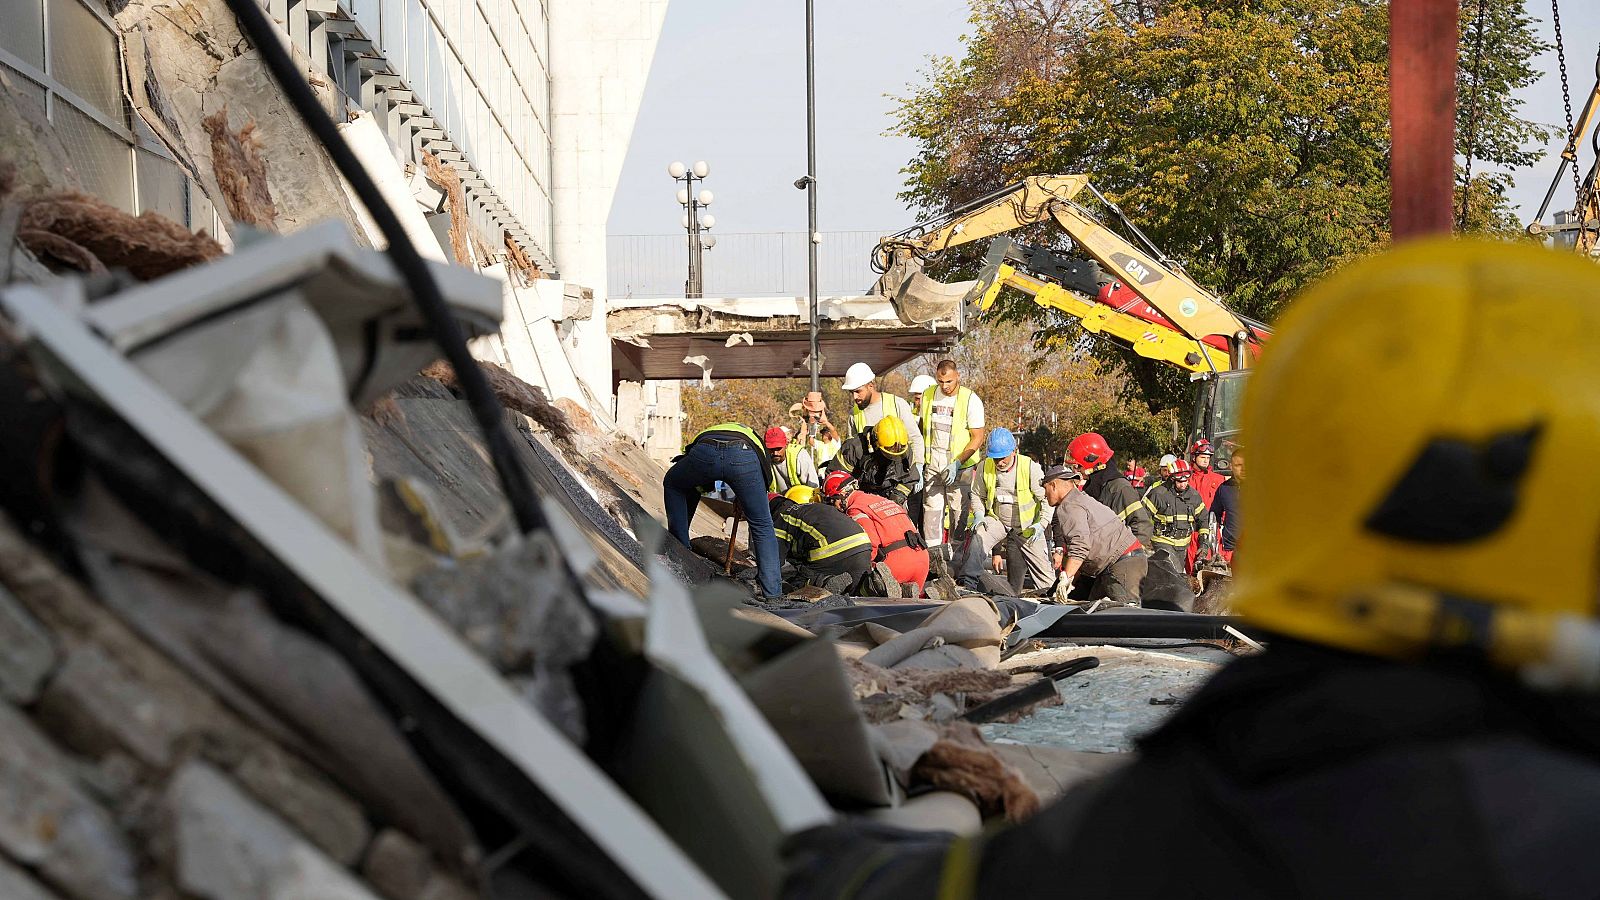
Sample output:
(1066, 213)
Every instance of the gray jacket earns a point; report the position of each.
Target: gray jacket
(1087, 529)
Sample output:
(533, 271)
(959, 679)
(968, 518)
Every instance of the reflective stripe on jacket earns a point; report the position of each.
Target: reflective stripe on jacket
(1109, 487)
(959, 433)
(817, 532)
(1175, 513)
(1027, 504)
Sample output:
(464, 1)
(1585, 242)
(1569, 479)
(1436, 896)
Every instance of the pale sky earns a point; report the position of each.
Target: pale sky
(728, 86)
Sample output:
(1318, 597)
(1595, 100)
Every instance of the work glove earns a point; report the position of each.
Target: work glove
(952, 473)
(1062, 592)
(1029, 532)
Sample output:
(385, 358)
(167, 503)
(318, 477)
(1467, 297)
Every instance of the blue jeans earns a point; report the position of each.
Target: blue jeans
(733, 462)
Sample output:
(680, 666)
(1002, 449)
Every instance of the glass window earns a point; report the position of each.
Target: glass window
(202, 216)
(23, 30)
(163, 189)
(103, 161)
(84, 58)
(24, 85)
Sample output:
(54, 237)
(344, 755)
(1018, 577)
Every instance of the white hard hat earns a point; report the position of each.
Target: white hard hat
(920, 384)
(1167, 461)
(858, 375)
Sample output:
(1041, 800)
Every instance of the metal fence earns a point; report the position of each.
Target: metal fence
(748, 264)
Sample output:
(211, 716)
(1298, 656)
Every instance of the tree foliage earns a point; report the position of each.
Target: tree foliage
(1248, 138)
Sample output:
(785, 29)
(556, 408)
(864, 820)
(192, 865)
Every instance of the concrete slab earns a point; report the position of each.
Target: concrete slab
(756, 337)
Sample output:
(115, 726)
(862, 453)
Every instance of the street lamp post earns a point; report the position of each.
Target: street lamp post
(813, 237)
(693, 222)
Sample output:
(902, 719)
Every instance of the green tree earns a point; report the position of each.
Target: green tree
(1248, 138)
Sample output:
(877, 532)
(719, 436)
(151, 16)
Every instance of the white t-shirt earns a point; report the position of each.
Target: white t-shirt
(944, 416)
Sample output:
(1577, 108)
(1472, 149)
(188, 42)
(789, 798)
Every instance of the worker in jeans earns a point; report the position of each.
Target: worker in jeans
(732, 454)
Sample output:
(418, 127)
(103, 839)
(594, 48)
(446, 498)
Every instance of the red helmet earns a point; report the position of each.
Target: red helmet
(839, 484)
(1089, 450)
(1199, 447)
(1180, 468)
(776, 438)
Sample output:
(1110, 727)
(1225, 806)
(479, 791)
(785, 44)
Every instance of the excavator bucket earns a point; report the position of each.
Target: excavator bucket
(917, 298)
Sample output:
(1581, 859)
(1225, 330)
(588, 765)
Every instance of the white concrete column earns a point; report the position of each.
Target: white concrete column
(600, 53)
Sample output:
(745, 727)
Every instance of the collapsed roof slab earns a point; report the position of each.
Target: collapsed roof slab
(655, 339)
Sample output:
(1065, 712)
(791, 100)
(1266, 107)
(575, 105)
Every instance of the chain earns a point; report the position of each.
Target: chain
(1472, 110)
(1566, 100)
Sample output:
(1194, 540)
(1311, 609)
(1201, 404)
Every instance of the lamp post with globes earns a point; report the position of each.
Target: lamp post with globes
(693, 221)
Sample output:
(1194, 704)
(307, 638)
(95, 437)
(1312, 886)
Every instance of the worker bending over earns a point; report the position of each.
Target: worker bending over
(895, 541)
(1425, 720)
(878, 460)
(792, 464)
(828, 548)
(1097, 554)
(732, 454)
(1006, 495)
(869, 405)
(951, 420)
(1091, 455)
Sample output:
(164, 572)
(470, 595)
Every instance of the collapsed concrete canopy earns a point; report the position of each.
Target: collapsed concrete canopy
(659, 339)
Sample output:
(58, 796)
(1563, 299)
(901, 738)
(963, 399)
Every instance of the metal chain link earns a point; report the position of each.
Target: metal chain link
(1566, 102)
(1472, 110)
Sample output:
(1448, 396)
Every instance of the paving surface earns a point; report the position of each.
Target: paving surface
(1105, 709)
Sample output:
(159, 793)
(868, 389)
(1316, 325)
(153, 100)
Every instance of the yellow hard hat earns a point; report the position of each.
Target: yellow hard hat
(1447, 394)
(892, 436)
(801, 493)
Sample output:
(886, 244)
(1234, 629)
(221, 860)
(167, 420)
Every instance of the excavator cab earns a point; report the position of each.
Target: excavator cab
(1216, 414)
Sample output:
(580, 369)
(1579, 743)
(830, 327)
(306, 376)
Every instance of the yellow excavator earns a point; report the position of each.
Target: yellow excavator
(1136, 296)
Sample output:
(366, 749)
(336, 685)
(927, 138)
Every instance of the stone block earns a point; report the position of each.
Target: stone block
(329, 819)
(29, 652)
(224, 846)
(402, 869)
(94, 706)
(50, 824)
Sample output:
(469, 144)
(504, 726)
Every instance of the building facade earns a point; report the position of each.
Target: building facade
(530, 102)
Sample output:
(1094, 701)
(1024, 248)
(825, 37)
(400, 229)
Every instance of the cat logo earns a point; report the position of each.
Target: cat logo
(1139, 270)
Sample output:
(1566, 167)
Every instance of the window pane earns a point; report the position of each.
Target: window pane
(201, 215)
(24, 85)
(83, 56)
(102, 160)
(22, 29)
(161, 187)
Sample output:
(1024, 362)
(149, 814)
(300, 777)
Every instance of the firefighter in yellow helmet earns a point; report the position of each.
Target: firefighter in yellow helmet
(880, 461)
(1424, 721)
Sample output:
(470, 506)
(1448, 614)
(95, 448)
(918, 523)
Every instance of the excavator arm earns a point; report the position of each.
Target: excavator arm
(1164, 295)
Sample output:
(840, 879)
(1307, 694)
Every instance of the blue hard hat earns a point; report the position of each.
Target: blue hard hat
(1002, 443)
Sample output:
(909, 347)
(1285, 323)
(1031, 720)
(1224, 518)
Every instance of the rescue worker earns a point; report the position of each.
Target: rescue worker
(1098, 556)
(950, 418)
(869, 405)
(917, 506)
(1179, 514)
(791, 462)
(878, 460)
(1225, 512)
(895, 541)
(1091, 455)
(732, 454)
(828, 548)
(1424, 720)
(1205, 481)
(1006, 495)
